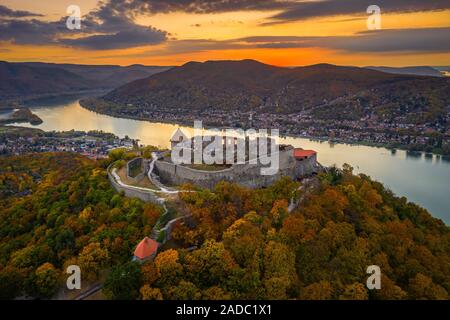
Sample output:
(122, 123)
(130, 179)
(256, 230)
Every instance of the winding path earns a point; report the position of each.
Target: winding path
(153, 179)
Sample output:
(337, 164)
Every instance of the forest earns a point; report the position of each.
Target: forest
(58, 209)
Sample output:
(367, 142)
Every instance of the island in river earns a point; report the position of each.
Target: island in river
(23, 115)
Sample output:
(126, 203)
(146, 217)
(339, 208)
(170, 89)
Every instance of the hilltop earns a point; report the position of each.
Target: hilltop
(247, 85)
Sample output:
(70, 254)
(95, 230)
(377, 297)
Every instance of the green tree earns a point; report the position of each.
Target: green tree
(124, 282)
(117, 154)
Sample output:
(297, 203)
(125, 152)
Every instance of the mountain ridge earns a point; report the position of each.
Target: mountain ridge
(23, 80)
(248, 84)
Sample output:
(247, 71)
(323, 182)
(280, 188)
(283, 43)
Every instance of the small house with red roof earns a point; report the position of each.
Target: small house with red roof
(300, 154)
(146, 250)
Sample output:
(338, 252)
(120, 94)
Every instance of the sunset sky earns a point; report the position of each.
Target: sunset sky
(172, 32)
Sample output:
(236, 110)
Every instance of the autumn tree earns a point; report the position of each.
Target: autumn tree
(278, 261)
(210, 265)
(149, 273)
(355, 291)
(322, 290)
(296, 230)
(46, 280)
(185, 290)
(423, 287)
(279, 212)
(92, 260)
(151, 214)
(279, 270)
(389, 290)
(242, 238)
(215, 293)
(149, 293)
(277, 287)
(169, 270)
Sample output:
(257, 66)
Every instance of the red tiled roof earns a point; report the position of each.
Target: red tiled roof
(300, 153)
(146, 248)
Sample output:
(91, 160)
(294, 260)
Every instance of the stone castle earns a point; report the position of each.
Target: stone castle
(293, 162)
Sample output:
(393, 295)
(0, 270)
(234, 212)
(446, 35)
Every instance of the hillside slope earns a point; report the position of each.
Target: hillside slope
(343, 92)
(18, 80)
(33, 79)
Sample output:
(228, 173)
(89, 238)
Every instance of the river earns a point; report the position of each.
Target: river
(423, 179)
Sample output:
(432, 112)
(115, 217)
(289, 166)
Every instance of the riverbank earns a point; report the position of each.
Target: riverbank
(17, 103)
(96, 106)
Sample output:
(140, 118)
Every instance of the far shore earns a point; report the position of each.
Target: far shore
(17, 103)
(283, 135)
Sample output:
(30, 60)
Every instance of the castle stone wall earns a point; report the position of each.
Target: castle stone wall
(136, 162)
(248, 175)
(131, 192)
(307, 166)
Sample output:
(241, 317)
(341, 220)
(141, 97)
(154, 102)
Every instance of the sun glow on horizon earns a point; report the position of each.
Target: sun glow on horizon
(202, 37)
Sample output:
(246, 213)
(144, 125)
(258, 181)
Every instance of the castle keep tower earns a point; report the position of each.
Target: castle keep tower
(177, 138)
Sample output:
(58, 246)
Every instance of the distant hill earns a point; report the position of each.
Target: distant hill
(107, 76)
(34, 79)
(247, 84)
(326, 91)
(418, 71)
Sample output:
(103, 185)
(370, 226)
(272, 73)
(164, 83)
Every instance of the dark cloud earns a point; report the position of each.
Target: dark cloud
(390, 40)
(30, 31)
(426, 40)
(132, 37)
(410, 40)
(325, 8)
(7, 12)
(108, 27)
(203, 6)
(191, 45)
(111, 26)
(114, 21)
